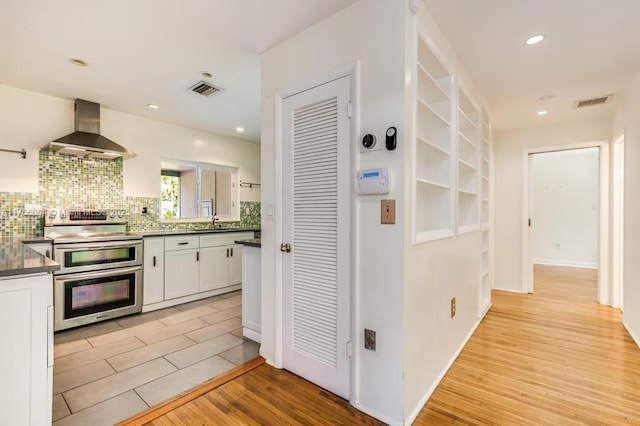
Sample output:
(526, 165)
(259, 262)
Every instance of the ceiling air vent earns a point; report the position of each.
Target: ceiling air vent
(594, 101)
(204, 89)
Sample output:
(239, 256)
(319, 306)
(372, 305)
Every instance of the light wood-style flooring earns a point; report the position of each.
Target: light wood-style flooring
(555, 357)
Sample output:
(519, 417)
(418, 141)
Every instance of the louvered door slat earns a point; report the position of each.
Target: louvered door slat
(315, 257)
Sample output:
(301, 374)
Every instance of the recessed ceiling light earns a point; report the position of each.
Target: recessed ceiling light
(240, 129)
(153, 106)
(543, 112)
(206, 74)
(546, 97)
(78, 62)
(535, 39)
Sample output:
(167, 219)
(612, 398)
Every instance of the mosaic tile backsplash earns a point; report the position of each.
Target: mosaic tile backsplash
(72, 181)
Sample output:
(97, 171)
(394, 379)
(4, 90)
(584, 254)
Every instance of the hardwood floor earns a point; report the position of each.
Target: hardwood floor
(554, 357)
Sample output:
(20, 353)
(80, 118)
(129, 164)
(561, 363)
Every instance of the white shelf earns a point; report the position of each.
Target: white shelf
(469, 166)
(437, 88)
(467, 193)
(433, 145)
(438, 109)
(432, 183)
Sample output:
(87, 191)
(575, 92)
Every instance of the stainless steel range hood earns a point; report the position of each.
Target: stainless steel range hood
(86, 141)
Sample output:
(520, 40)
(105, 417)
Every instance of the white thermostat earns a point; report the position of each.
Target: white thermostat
(372, 181)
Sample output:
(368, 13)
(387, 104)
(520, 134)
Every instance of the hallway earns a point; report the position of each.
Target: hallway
(554, 357)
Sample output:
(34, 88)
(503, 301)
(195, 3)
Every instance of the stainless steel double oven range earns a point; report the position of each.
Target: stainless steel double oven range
(100, 274)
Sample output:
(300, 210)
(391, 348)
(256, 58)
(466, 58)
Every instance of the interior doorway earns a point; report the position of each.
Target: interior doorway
(566, 209)
(617, 224)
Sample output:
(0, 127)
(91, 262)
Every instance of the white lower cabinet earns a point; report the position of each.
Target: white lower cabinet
(180, 269)
(235, 264)
(214, 272)
(251, 293)
(181, 266)
(153, 271)
(26, 363)
(223, 265)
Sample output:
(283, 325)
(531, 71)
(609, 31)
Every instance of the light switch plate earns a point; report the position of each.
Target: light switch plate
(388, 212)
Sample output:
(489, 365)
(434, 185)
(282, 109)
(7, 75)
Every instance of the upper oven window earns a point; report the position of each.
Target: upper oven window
(84, 257)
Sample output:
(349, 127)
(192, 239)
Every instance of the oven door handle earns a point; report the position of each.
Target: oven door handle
(97, 274)
(77, 247)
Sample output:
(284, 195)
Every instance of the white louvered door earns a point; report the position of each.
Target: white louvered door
(316, 224)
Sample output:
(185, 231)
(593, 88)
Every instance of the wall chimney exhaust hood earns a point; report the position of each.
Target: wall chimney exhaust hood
(86, 141)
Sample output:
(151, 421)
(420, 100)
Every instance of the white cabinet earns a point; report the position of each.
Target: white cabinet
(26, 363)
(235, 263)
(223, 265)
(180, 269)
(251, 293)
(214, 272)
(153, 271)
(181, 266)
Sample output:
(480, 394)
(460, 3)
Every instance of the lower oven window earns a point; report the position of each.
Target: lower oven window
(88, 296)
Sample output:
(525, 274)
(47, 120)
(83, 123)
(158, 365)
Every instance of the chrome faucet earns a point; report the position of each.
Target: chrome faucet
(214, 218)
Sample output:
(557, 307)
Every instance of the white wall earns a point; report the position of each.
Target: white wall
(30, 120)
(625, 121)
(565, 207)
(509, 146)
(435, 272)
(370, 32)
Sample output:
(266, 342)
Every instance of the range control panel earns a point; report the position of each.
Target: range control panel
(83, 216)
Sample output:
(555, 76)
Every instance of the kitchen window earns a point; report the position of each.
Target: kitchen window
(192, 191)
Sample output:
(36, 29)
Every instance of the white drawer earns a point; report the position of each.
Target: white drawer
(223, 239)
(182, 242)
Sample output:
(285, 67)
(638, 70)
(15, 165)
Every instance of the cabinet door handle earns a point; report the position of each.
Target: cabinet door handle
(183, 243)
(154, 261)
(48, 253)
(197, 256)
(227, 251)
(231, 251)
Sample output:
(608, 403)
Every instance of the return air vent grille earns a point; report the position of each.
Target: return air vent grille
(205, 89)
(595, 101)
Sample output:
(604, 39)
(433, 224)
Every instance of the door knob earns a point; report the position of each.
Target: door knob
(285, 247)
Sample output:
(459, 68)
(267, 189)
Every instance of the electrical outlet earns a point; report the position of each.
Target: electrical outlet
(453, 307)
(145, 210)
(369, 339)
(557, 245)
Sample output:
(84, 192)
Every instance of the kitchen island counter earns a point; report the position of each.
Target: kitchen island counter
(254, 242)
(17, 258)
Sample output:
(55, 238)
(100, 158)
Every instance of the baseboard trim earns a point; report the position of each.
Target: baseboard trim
(632, 334)
(416, 411)
(158, 410)
(585, 265)
(377, 415)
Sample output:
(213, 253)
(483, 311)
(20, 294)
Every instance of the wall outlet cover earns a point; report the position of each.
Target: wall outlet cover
(369, 339)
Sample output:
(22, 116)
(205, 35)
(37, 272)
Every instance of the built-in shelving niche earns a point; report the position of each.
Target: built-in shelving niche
(468, 164)
(434, 151)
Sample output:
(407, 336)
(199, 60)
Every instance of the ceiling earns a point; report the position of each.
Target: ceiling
(592, 48)
(151, 51)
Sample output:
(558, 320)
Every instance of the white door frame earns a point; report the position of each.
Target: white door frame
(617, 222)
(351, 70)
(604, 215)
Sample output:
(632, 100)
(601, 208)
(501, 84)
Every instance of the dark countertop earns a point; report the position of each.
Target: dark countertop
(254, 242)
(37, 240)
(170, 232)
(17, 259)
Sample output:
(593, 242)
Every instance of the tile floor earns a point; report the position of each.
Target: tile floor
(106, 372)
